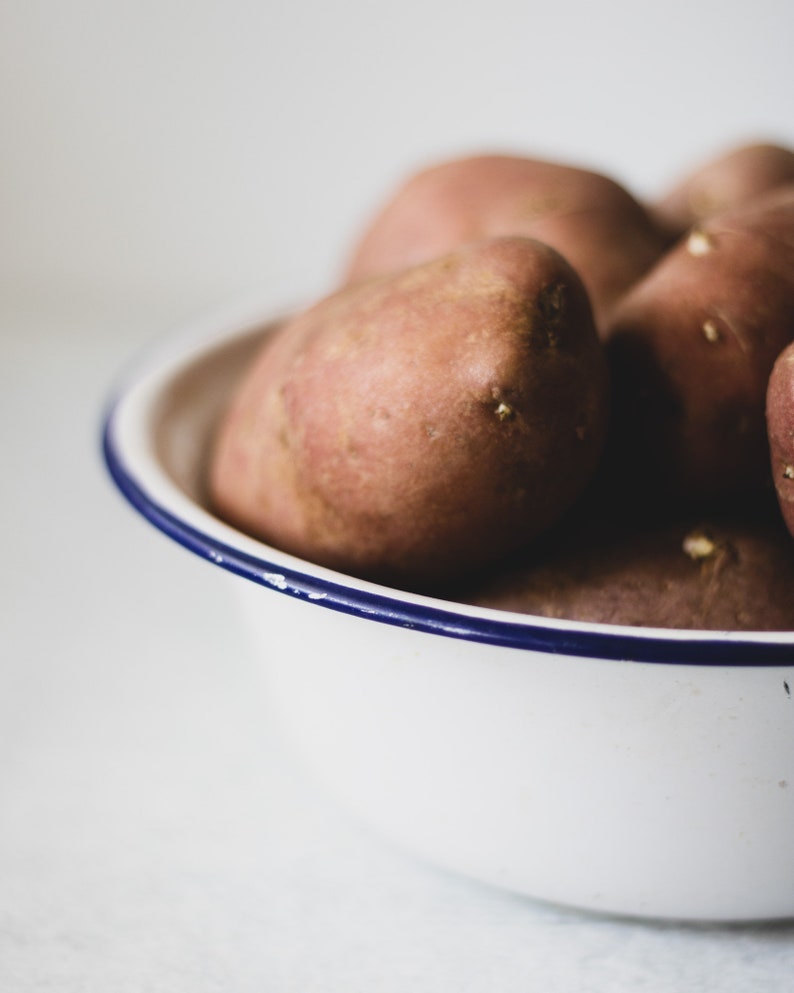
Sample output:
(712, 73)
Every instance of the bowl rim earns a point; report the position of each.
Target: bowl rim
(130, 457)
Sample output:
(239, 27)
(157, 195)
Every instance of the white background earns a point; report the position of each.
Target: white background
(157, 158)
(214, 146)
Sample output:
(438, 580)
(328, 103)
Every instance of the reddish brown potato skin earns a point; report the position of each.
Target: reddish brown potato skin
(780, 425)
(729, 572)
(730, 180)
(604, 233)
(770, 216)
(421, 424)
(691, 348)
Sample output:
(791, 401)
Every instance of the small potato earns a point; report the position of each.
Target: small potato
(691, 348)
(591, 220)
(780, 425)
(726, 572)
(728, 181)
(769, 216)
(415, 426)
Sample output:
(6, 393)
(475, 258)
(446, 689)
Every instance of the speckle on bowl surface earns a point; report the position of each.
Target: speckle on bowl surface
(633, 771)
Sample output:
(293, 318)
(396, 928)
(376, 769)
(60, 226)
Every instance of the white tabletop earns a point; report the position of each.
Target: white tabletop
(154, 836)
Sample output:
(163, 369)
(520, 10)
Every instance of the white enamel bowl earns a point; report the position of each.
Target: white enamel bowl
(625, 770)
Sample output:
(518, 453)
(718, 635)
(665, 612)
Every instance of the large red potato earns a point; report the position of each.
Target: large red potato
(780, 425)
(730, 180)
(598, 226)
(725, 572)
(692, 346)
(413, 427)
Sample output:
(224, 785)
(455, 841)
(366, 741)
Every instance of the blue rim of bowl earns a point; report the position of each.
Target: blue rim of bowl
(592, 642)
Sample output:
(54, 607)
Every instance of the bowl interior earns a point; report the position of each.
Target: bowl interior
(190, 405)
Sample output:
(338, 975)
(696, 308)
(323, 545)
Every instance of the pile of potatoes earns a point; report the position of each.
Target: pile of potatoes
(533, 391)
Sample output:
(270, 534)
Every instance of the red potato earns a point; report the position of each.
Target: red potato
(604, 233)
(692, 346)
(769, 216)
(730, 180)
(780, 426)
(417, 426)
(718, 572)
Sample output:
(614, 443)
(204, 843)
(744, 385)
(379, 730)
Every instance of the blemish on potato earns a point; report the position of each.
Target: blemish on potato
(698, 545)
(711, 332)
(551, 302)
(788, 471)
(504, 411)
(699, 242)
(551, 307)
(534, 206)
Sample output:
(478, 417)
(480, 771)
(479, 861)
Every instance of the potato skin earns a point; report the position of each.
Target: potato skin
(595, 223)
(691, 348)
(723, 572)
(780, 426)
(723, 183)
(414, 426)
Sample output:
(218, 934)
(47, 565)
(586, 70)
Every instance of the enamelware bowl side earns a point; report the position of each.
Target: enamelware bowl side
(632, 771)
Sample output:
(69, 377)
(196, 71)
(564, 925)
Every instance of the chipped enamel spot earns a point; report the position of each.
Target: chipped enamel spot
(275, 579)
